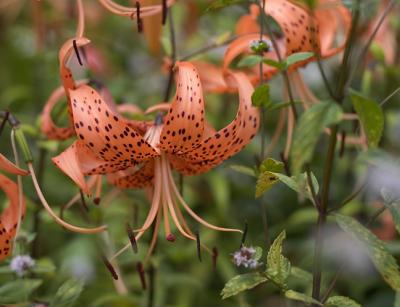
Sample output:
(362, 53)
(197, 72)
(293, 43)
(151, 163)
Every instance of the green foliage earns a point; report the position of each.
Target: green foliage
(371, 117)
(267, 177)
(298, 57)
(308, 130)
(18, 291)
(219, 4)
(341, 301)
(243, 170)
(261, 96)
(301, 297)
(278, 266)
(67, 294)
(393, 205)
(380, 256)
(250, 61)
(241, 283)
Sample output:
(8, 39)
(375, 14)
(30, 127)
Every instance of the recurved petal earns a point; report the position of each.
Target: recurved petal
(11, 215)
(8, 166)
(231, 139)
(300, 28)
(133, 178)
(108, 135)
(184, 123)
(211, 77)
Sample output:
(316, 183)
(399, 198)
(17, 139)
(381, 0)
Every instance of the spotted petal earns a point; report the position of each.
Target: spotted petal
(184, 123)
(229, 140)
(299, 27)
(10, 216)
(133, 178)
(108, 135)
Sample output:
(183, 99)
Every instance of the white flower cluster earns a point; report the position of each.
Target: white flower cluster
(245, 256)
(21, 264)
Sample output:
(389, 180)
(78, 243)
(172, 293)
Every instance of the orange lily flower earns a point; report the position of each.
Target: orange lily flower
(13, 213)
(109, 144)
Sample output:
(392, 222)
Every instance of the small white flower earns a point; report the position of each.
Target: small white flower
(21, 264)
(245, 257)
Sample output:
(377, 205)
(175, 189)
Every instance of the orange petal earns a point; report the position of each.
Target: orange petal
(10, 217)
(299, 27)
(48, 126)
(133, 178)
(248, 23)
(8, 166)
(211, 77)
(184, 123)
(106, 133)
(231, 139)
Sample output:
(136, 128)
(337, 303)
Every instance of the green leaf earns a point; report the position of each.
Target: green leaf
(258, 254)
(377, 251)
(44, 266)
(397, 300)
(250, 61)
(393, 205)
(299, 183)
(18, 291)
(297, 296)
(307, 132)
(278, 266)
(267, 178)
(282, 104)
(261, 96)
(276, 64)
(298, 57)
(219, 4)
(241, 283)
(67, 294)
(341, 301)
(371, 117)
(243, 170)
(301, 274)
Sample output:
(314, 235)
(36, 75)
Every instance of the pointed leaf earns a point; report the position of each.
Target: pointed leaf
(341, 301)
(250, 61)
(18, 291)
(298, 57)
(371, 117)
(67, 294)
(377, 251)
(241, 283)
(297, 296)
(278, 266)
(307, 132)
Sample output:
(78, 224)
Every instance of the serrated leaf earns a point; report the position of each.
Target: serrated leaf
(271, 165)
(67, 294)
(341, 301)
(241, 283)
(278, 266)
(243, 170)
(371, 117)
(219, 4)
(393, 205)
(308, 130)
(377, 251)
(298, 57)
(18, 290)
(261, 96)
(258, 254)
(301, 297)
(267, 178)
(250, 61)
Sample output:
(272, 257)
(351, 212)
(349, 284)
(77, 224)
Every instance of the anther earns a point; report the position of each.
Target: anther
(110, 267)
(244, 234)
(140, 270)
(171, 238)
(139, 20)
(96, 201)
(214, 257)
(164, 11)
(198, 245)
(132, 238)
(77, 52)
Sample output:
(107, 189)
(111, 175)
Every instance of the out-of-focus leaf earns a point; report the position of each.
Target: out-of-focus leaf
(250, 61)
(299, 183)
(280, 105)
(241, 283)
(49, 145)
(301, 274)
(278, 266)
(384, 262)
(18, 290)
(115, 300)
(67, 294)
(44, 266)
(371, 117)
(276, 64)
(166, 44)
(297, 296)
(393, 205)
(5, 269)
(261, 96)
(243, 170)
(298, 57)
(258, 254)
(397, 300)
(219, 4)
(341, 301)
(307, 132)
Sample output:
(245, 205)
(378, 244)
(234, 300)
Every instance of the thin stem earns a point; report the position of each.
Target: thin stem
(207, 48)
(262, 109)
(173, 56)
(389, 97)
